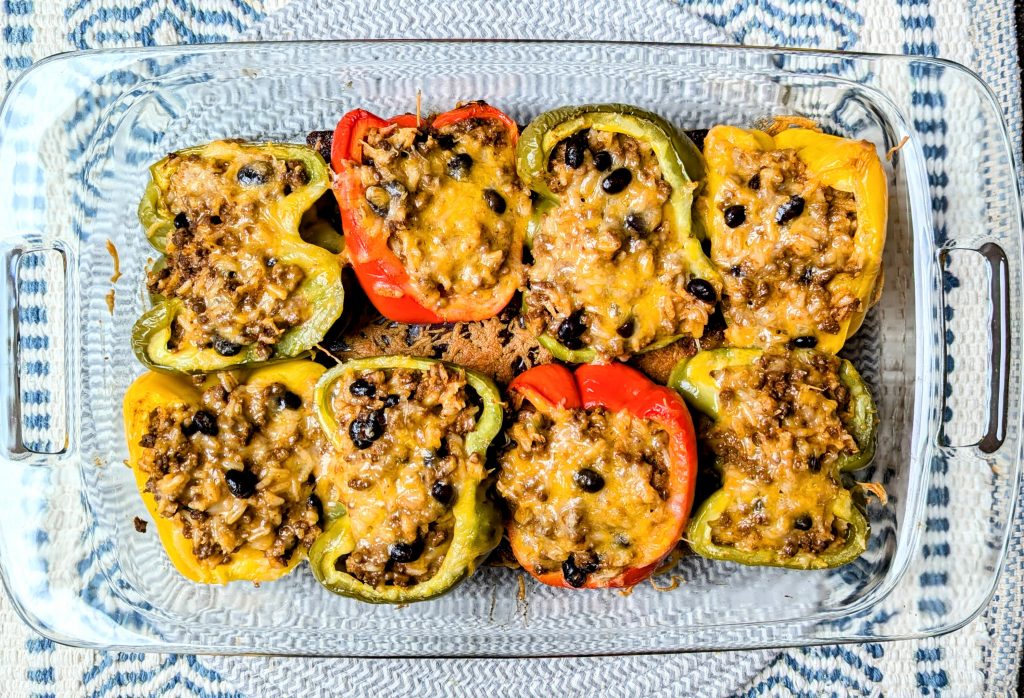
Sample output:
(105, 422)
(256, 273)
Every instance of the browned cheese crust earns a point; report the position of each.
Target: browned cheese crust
(609, 262)
(234, 293)
(401, 463)
(777, 275)
(237, 471)
(433, 192)
(590, 483)
(779, 433)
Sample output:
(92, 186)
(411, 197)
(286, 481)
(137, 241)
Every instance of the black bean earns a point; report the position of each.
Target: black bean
(702, 290)
(241, 483)
(362, 388)
(392, 400)
(495, 201)
(602, 160)
(755, 182)
(803, 523)
(226, 347)
(205, 423)
(181, 221)
(215, 220)
(406, 552)
(570, 330)
(419, 138)
(379, 200)
(805, 342)
(626, 329)
(636, 223)
(366, 428)
(446, 141)
(588, 480)
(442, 492)
(289, 400)
(736, 270)
(314, 503)
(460, 165)
(518, 366)
(814, 464)
(272, 262)
(616, 181)
(576, 574)
(789, 210)
(734, 215)
(575, 149)
(254, 174)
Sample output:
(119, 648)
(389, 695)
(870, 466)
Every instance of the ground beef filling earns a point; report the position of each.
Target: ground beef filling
(220, 258)
(608, 272)
(236, 471)
(587, 489)
(401, 469)
(780, 431)
(450, 205)
(786, 238)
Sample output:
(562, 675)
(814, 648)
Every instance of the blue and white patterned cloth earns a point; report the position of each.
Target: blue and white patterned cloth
(981, 659)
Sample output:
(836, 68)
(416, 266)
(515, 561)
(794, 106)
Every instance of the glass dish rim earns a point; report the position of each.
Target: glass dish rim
(212, 48)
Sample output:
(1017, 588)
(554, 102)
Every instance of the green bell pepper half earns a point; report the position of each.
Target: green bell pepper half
(681, 165)
(478, 523)
(694, 379)
(321, 286)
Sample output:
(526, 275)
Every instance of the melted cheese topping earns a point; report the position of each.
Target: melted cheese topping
(621, 525)
(389, 484)
(613, 256)
(264, 438)
(779, 432)
(777, 275)
(450, 205)
(220, 258)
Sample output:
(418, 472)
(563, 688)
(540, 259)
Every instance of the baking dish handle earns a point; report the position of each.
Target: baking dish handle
(34, 408)
(1000, 342)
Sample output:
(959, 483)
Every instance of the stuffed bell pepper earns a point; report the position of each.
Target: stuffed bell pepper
(408, 515)
(618, 267)
(433, 214)
(226, 468)
(237, 284)
(784, 427)
(797, 226)
(598, 474)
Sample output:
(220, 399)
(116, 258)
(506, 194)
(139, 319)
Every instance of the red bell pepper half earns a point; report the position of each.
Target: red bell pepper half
(617, 387)
(380, 272)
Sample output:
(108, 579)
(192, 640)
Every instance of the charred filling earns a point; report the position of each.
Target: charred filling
(450, 206)
(220, 260)
(402, 469)
(779, 434)
(785, 238)
(588, 490)
(608, 271)
(237, 470)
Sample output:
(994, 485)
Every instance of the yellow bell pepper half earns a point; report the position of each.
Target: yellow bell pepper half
(159, 389)
(844, 165)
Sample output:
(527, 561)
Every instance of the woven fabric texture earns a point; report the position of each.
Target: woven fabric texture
(980, 659)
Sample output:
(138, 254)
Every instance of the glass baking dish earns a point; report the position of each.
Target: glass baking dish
(78, 132)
